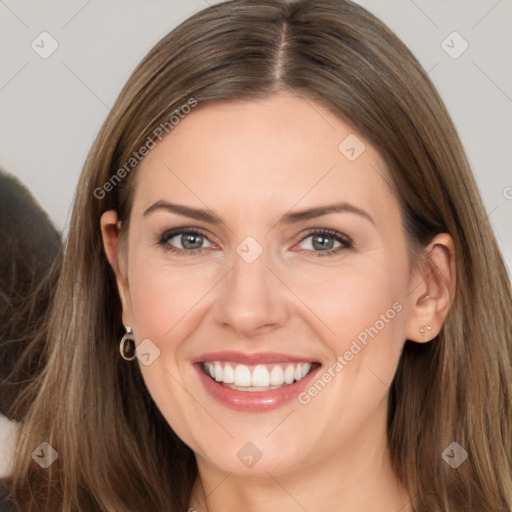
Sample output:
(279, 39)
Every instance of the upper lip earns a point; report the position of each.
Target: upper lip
(251, 358)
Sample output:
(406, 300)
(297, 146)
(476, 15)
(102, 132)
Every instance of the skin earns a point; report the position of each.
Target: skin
(250, 163)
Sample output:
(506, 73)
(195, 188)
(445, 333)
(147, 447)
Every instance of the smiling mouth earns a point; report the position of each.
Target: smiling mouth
(260, 377)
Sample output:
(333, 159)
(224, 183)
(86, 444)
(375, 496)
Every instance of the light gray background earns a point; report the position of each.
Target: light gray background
(51, 109)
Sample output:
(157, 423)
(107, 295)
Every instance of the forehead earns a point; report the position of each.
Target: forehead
(264, 155)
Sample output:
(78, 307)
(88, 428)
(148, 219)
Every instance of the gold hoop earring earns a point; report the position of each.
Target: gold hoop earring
(424, 329)
(127, 345)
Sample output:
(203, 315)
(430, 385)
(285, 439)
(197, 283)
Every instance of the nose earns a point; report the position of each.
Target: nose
(252, 300)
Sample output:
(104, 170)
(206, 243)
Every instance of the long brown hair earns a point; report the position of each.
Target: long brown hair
(116, 452)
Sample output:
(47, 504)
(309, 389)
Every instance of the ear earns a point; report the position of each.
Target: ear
(432, 290)
(116, 255)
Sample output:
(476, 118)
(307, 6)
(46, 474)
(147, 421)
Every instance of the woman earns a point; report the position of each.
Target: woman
(280, 289)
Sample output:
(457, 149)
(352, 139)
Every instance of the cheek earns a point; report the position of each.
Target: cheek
(166, 306)
(363, 319)
(348, 301)
(163, 298)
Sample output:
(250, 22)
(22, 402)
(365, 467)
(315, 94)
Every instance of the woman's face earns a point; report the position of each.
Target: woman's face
(265, 246)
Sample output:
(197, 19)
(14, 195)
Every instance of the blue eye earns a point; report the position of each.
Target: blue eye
(191, 241)
(323, 242)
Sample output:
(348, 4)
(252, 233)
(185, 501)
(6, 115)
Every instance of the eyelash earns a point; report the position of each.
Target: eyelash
(345, 241)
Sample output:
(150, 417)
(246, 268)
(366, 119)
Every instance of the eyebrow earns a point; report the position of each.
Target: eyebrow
(288, 218)
(187, 211)
(319, 211)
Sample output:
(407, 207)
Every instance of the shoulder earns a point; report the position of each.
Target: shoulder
(8, 434)
(8, 431)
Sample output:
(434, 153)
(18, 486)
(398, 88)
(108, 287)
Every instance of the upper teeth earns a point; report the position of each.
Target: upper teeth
(261, 375)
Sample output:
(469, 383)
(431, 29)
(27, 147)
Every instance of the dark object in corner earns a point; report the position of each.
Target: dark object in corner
(29, 250)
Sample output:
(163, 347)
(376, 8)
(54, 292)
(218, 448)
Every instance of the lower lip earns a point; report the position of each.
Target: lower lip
(254, 401)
